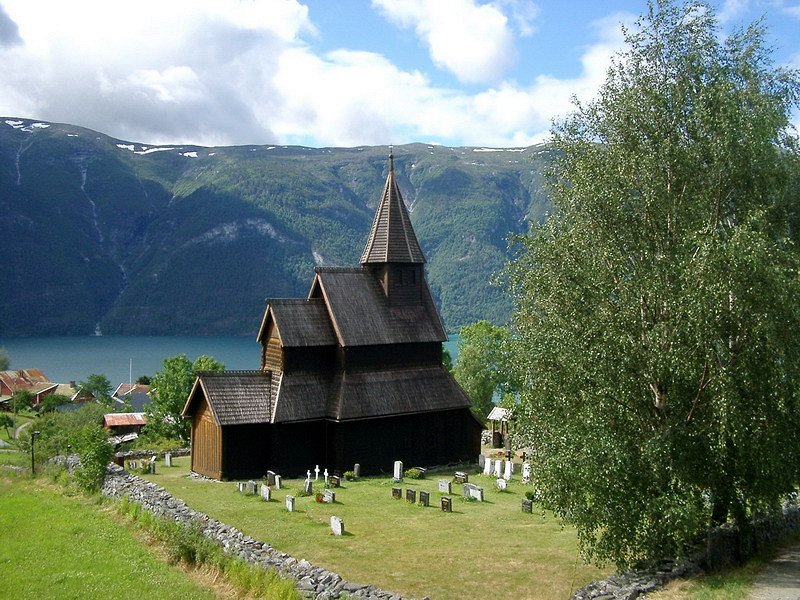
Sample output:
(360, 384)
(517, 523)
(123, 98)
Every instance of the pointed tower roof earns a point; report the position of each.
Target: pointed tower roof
(392, 239)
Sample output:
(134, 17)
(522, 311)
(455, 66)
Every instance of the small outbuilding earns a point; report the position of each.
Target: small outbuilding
(350, 374)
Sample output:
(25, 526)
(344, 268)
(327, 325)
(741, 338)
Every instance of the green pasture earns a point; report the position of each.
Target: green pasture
(56, 547)
(485, 549)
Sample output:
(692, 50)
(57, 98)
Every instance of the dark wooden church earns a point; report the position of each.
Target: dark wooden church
(351, 374)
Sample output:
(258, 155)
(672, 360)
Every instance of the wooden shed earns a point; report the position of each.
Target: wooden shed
(351, 374)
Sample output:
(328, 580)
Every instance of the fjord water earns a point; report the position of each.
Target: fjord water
(65, 359)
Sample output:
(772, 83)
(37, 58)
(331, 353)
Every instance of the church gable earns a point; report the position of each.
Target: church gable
(362, 316)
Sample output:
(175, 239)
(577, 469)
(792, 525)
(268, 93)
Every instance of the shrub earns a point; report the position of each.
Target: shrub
(95, 454)
(349, 476)
(413, 473)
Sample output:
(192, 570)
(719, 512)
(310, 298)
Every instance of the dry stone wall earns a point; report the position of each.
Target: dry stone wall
(312, 582)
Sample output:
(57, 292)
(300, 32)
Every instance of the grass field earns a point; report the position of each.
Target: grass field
(57, 547)
(481, 550)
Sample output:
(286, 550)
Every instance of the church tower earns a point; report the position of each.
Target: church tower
(392, 253)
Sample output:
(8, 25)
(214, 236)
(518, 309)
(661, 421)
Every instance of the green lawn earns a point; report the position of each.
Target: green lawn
(481, 550)
(63, 548)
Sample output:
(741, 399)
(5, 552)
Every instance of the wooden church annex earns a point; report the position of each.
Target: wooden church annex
(351, 374)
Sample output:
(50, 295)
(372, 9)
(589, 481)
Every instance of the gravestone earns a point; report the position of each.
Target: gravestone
(527, 506)
(241, 486)
(444, 486)
(467, 488)
(447, 504)
(308, 488)
(481, 460)
(335, 481)
(337, 526)
(278, 481)
(326, 476)
(526, 472)
(316, 473)
(397, 493)
(357, 470)
(266, 493)
(329, 496)
(133, 465)
(477, 493)
(502, 484)
(487, 467)
(411, 496)
(168, 459)
(151, 466)
(422, 471)
(398, 471)
(270, 477)
(461, 477)
(308, 474)
(498, 468)
(424, 498)
(290, 503)
(509, 470)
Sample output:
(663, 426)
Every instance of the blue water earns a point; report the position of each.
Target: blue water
(65, 359)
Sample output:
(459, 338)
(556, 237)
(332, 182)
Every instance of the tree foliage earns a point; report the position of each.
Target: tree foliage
(170, 390)
(98, 386)
(95, 453)
(479, 365)
(656, 311)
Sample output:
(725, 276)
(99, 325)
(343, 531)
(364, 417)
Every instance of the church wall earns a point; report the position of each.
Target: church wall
(245, 451)
(390, 355)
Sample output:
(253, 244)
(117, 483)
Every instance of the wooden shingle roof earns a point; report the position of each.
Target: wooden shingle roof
(392, 239)
(235, 397)
(302, 396)
(300, 322)
(383, 393)
(362, 315)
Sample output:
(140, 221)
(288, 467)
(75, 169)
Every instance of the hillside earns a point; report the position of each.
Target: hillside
(187, 240)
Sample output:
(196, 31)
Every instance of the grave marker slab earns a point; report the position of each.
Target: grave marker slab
(526, 472)
(290, 503)
(487, 467)
(329, 496)
(398, 471)
(481, 460)
(502, 484)
(266, 493)
(308, 488)
(424, 498)
(357, 470)
(527, 506)
(168, 459)
(447, 504)
(411, 496)
(445, 487)
(278, 482)
(337, 526)
(476, 493)
(397, 493)
(270, 477)
(251, 488)
(335, 481)
(509, 470)
(498, 468)
(461, 477)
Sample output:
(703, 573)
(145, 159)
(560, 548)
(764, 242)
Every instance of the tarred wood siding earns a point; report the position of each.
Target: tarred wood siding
(206, 442)
(393, 355)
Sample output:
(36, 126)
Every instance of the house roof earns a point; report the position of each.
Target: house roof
(124, 419)
(300, 322)
(24, 379)
(123, 389)
(137, 401)
(362, 315)
(235, 397)
(392, 239)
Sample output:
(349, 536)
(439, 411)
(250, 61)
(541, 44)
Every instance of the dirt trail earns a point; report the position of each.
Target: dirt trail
(781, 579)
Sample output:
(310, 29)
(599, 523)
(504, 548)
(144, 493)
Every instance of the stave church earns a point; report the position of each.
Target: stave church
(351, 374)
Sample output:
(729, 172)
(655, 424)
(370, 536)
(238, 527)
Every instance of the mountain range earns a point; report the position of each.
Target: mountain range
(127, 238)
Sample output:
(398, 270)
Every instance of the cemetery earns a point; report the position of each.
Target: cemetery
(407, 536)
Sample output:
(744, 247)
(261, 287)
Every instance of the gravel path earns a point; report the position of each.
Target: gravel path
(781, 579)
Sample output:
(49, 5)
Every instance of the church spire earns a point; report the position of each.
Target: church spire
(392, 239)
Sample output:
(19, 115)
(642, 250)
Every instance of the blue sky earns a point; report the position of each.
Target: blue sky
(324, 72)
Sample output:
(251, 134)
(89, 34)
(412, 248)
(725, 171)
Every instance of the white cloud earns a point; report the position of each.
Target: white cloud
(732, 9)
(793, 11)
(473, 41)
(216, 72)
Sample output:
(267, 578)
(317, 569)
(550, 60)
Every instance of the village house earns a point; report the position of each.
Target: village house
(30, 380)
(350, 374)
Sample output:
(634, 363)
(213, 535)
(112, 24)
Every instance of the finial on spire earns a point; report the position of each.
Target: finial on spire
(391, 158)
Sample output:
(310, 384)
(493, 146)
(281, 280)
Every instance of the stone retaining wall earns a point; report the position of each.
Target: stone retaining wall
(724, 549)
(121, 457)
(312, 582)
